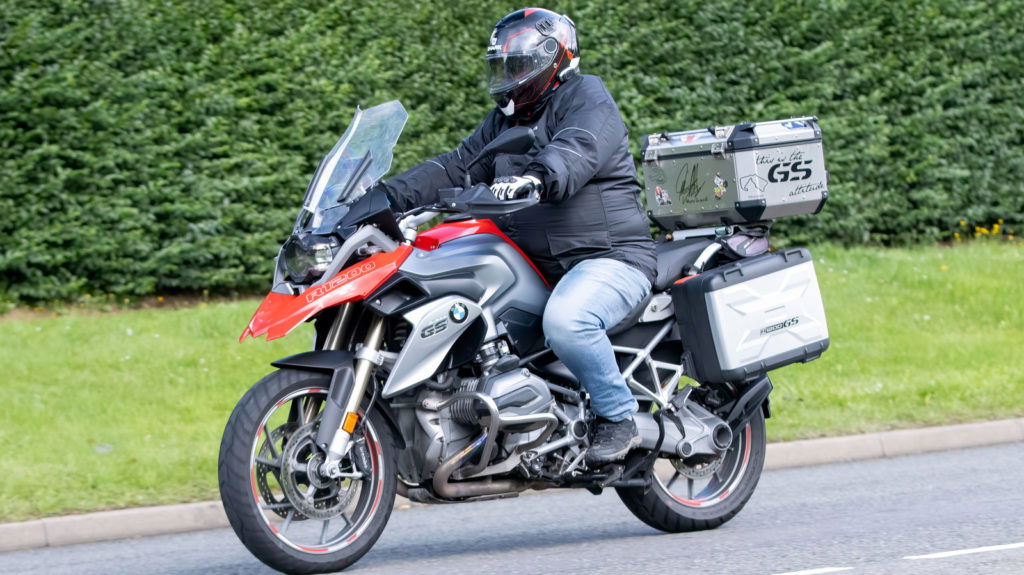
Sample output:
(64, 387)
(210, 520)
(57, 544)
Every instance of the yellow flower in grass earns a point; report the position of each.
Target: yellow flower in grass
(995, 229)
(943, 267)
(963, 223)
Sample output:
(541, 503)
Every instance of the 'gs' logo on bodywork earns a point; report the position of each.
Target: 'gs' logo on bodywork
(337, 282)
(434, 328)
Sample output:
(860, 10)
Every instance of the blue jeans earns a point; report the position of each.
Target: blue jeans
(594, 296)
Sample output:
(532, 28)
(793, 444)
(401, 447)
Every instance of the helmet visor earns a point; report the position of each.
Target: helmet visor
(506, 71)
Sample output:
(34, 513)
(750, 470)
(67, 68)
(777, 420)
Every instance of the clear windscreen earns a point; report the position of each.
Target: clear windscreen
(361, 157)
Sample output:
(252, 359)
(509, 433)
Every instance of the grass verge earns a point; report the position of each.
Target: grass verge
(124, 409)
(924, 336)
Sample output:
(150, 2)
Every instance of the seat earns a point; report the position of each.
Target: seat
(674, 257)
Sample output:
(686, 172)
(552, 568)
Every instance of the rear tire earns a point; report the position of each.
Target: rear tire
(692, 504)
(254, 494)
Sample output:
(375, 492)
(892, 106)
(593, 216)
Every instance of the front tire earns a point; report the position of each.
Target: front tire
(690, 495)
(277, 504)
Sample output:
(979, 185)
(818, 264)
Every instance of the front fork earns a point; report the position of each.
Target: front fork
(341, 412)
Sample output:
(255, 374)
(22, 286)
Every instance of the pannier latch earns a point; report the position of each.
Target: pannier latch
(721, 133)
(651, 150)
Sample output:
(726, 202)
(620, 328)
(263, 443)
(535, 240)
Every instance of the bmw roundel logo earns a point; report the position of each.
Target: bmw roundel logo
(458, 313)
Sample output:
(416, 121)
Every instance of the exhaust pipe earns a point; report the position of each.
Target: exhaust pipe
(448, 490)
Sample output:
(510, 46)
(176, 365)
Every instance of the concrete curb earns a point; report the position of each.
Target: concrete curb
(168, 519)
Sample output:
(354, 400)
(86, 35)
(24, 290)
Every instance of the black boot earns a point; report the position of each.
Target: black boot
(612, 440)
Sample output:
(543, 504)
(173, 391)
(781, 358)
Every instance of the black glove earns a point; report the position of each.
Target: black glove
(507, 188)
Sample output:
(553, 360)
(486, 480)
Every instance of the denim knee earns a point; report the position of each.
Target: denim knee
(565, 322)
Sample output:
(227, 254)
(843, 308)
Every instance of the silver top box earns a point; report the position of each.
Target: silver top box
(738, 174)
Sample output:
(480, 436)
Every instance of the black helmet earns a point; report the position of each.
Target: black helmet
(531, 52)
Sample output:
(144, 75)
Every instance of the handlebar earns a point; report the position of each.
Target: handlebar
(477, 201)
(410, 223)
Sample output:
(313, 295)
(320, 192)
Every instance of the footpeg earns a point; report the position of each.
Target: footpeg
(614, 474)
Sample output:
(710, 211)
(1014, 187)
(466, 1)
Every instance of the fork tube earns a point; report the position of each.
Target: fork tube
(364, 370)
(339, 327)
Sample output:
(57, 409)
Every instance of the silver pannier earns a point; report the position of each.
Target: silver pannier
(735, 174)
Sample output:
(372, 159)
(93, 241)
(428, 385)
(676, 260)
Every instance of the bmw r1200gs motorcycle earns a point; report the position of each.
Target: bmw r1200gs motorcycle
(430, 377)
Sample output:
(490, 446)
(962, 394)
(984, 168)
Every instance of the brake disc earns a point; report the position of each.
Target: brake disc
(313, 495)
(264, 471)
(700, 466)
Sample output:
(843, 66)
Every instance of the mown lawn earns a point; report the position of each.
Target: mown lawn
(124, 409)
(926, 336)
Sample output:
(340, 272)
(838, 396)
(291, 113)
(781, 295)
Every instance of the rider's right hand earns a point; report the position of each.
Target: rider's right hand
(508, 188)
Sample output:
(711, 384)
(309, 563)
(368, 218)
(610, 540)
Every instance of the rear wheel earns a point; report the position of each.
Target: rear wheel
(284, 511)
(701, 492)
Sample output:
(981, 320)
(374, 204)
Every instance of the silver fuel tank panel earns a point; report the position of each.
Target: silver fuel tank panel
(494, 281)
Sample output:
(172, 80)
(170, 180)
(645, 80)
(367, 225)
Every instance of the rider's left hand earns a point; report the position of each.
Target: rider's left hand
(507, 188)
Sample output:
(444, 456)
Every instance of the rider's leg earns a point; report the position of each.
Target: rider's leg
(594, 296)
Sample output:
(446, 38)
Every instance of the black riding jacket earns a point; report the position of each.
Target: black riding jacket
(591, 204)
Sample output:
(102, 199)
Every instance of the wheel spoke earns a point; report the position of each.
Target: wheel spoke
(270, 441)
(275, 463)
(272, 506)
(288, 521)
(689, 488)
(323, 531)
(295, 409)
(699, 487)
(675, 477)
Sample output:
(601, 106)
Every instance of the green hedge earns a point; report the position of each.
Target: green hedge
(158, 147)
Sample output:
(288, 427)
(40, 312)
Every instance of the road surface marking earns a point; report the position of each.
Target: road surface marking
(967, 551)
(816, 571)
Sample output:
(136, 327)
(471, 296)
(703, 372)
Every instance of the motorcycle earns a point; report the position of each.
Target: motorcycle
(430, 377)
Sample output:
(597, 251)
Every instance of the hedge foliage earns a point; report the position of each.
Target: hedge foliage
(156, 147)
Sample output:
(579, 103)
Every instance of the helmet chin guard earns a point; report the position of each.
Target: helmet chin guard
(508, 109)
(530, 53)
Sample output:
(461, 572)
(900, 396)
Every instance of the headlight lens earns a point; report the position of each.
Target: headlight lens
(306, 256)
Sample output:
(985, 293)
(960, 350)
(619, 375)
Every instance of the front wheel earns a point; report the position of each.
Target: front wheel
(701, 492)
(287, 514)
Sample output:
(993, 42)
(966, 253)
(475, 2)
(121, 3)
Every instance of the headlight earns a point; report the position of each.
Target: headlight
(307, 256)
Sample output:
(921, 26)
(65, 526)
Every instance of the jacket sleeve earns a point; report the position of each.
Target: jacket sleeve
(587, 133)
(418, 186)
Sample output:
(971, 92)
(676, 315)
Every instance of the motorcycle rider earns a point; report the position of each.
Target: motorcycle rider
(588, 235)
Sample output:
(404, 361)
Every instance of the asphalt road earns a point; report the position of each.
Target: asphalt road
(856, 518)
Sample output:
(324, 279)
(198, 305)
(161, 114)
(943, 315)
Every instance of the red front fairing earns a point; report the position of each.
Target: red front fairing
(278, 314)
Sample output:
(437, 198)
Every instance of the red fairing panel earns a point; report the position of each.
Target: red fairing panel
(278, 314)
(434, 237)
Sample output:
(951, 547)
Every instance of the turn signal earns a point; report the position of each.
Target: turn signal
(351, 419)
